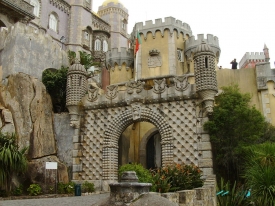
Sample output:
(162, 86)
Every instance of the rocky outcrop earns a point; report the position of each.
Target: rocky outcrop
(26, 105)
(36, 171)
(31, 108)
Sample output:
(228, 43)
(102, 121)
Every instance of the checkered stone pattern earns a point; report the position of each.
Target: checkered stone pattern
(95, 123)
(181, 116)
(176, 122)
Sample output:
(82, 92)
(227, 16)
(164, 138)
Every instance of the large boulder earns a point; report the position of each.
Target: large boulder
(31, 108)
(37, 172)
(26, 109)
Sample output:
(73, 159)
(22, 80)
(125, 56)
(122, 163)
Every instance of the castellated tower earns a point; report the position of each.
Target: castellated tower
(120, 65)
(161, 51)
(113, 12)
(76, 90)
(119, 59)
(205, 75)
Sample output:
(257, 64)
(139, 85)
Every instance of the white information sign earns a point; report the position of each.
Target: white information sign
(51, 165)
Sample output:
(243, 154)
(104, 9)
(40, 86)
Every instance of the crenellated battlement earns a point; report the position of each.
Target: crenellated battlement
(252, 56)
(115, 56)
(169, 23)
(192, 43)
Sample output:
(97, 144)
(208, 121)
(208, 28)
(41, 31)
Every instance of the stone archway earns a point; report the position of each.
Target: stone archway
(120, 123)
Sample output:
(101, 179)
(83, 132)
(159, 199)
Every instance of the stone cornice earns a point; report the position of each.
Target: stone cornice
(100, 23)
(19, 6)
(180, 89)
(62, 5)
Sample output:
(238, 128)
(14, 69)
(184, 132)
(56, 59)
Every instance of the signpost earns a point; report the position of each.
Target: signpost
(51, 166)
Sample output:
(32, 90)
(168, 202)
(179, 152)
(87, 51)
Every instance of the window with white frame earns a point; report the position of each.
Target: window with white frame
(53, 22)
(97, 45)
(105, 46)
(36, 7)
(180, 55)
(86, 35)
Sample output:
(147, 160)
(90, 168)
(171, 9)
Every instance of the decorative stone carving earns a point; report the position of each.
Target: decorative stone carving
(75, 124)
(134, 87)
(181, 83)
(136, 112)
(112, 91)
(62, 5)
(154, 60)
(205, 75)
(92, 94)
(159, 86)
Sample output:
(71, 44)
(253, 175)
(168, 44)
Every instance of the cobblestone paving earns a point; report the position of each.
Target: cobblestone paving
(68, 201)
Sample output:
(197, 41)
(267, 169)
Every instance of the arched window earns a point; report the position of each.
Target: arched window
(53, 22)
(105, 46)
(97, 45)
(36, 9)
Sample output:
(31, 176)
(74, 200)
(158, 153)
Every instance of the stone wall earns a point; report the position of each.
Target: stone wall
(63, 133)
(28, 50)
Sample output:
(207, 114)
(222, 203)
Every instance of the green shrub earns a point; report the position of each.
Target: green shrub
(177, 177)
(18, 191)
(65, 188)
(143, 174)
(70, 187)
(87, 187)
(34, 190)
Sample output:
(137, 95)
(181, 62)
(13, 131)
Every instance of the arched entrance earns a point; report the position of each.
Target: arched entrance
(140, 144)
(120, 123)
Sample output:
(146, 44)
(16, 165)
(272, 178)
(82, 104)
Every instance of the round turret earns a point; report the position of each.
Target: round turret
(205, 75)
(76, 84)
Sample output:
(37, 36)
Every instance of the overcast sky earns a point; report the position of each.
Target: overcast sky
(241, 25)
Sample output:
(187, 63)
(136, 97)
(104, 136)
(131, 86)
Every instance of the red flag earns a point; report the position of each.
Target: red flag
(138, 42)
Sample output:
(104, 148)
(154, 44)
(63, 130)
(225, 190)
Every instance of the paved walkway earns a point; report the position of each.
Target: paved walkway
(62, 201)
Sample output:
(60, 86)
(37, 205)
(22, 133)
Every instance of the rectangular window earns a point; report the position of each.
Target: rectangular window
(180, 55)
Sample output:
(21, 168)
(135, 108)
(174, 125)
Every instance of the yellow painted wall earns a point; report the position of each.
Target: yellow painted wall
(270, 100)
(134, 134)
(120, 74)
(179, 45)
(160, 43)
(245, 78)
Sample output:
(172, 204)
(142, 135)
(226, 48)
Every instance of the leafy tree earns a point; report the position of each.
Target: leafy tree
(55, 82)
(233, 125)
(84, 58)
(12, 159)
(259, 173)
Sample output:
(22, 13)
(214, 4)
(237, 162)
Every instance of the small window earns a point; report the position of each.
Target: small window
(97, 45)
(36, 7)
(53, 22)
(105, 46)
(180, 55)
(86, 35)
(206, 62)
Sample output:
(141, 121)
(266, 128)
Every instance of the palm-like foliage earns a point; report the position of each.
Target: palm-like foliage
(259, 173)
(12, 159)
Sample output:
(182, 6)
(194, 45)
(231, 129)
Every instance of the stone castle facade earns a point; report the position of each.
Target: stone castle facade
(147, 107)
